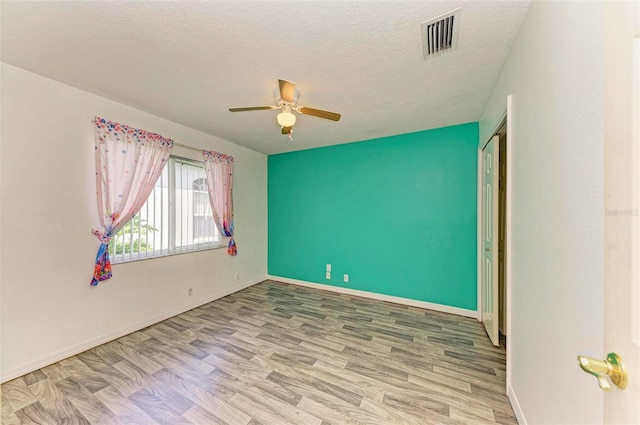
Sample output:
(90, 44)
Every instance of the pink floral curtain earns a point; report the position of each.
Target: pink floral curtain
(219, 170)
(128, 164)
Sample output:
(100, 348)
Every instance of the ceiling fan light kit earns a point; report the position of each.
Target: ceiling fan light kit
(287, 106)
(286, 119)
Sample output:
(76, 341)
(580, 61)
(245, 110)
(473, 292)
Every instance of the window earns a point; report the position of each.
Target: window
(176, 218)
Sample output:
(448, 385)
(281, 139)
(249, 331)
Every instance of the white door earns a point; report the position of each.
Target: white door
(489, 234)
(622, 206)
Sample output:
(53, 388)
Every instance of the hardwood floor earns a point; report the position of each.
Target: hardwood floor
(277, 354)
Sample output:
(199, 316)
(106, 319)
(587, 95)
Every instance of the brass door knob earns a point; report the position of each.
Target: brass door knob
(611, 367)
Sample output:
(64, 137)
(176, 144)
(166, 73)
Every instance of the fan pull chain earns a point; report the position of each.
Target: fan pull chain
(291, 134)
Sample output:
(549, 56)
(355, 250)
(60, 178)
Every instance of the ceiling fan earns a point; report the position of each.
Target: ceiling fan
(287, 105)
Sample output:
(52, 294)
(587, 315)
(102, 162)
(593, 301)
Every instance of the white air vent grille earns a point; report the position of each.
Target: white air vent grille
(440, 35)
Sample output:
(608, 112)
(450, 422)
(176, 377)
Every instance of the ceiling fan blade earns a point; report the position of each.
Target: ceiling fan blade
(252, 108)
(286, 130)
(287, 90)
(320, 113)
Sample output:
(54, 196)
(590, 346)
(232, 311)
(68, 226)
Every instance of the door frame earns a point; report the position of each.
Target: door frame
(506, 117)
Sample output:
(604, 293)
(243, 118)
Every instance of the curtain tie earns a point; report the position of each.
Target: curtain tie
(232, 249)
(104, 239)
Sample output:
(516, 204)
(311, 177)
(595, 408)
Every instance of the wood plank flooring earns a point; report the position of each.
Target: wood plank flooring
(277, 354)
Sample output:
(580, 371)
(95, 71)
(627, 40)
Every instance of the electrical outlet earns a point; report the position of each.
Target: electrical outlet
(346, 278)
(328, 275)
(237, 275)
(189, 292)
(328, 267)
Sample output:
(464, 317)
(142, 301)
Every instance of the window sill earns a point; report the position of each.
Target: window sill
(125, 258)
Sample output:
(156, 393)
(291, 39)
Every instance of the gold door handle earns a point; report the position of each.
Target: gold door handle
(611, 367)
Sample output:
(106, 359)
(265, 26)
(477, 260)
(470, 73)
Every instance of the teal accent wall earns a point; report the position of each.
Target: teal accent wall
(398, 214)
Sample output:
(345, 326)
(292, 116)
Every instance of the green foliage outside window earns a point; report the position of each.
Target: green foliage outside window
(131, 238)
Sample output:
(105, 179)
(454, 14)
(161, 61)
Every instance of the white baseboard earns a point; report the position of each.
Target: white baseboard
(516, 406)
(365, 294)
(82, 346)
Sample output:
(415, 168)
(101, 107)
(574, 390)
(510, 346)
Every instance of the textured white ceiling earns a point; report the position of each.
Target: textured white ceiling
(190, 61)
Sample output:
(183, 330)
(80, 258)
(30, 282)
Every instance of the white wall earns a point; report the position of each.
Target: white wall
(555, 73)
(49, 311)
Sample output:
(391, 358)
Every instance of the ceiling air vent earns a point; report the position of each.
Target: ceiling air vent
(440, 35)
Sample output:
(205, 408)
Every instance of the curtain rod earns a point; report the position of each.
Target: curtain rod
(93, 121)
